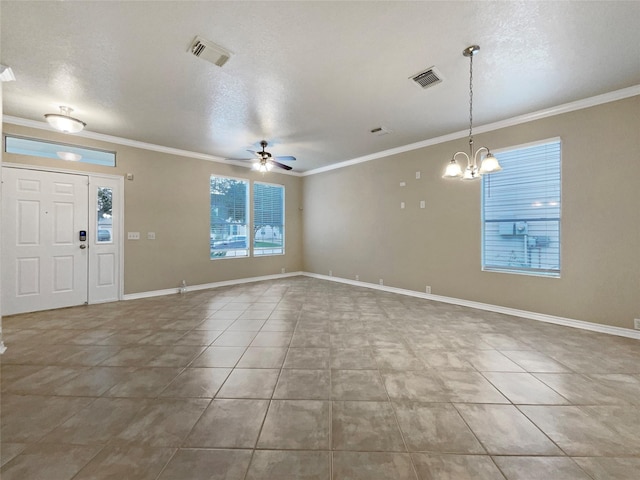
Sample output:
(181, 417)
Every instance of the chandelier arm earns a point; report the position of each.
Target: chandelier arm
(466, 156)
(476, 157)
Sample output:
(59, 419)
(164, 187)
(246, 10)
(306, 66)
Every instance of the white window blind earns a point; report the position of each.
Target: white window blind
(521, 211)
(229, 215)
(268, 215)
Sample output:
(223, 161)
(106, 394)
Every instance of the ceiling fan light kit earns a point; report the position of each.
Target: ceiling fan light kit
(264, 161)
(64, 122)
(476, 166)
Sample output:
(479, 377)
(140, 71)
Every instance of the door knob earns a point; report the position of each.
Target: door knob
(83, 246)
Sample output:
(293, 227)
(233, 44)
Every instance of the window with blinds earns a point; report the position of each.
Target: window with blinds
(268, 219)
(229, 217)
(521, 211)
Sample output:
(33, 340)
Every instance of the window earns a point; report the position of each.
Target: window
(229, 199)
(59, 151)
(104, 225)
(268, 223)
(521, 211)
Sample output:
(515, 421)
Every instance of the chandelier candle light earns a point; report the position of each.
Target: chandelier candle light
(477, 167)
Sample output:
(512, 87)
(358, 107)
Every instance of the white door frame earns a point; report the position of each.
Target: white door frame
(119, 209)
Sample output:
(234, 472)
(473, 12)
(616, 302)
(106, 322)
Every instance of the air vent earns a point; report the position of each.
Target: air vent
(209, 51)
(379, 131)
(427, 78)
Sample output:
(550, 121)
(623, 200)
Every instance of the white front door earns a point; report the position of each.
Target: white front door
(44, 258)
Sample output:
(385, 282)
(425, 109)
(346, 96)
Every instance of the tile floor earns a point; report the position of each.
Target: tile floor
(307, 379)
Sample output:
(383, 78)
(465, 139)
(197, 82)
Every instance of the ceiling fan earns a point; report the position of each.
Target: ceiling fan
(264, 161)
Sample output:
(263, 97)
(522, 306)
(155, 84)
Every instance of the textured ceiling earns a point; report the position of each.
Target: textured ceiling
(313, 78)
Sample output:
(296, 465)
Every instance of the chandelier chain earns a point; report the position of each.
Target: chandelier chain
(471, 103)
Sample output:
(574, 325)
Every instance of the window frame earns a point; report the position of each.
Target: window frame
(247, 223)
(253, 210)
(545, 273)
(54, 146)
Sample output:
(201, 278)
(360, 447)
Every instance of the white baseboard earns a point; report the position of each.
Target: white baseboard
(541, 317)
(206, 286)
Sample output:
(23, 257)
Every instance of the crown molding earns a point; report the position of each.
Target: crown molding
(23, 122)
(528, 117)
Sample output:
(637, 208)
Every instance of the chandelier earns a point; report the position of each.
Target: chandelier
(476, 165)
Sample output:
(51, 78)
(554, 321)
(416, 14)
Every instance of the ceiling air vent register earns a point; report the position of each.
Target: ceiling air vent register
(209, 51)
(427, 78)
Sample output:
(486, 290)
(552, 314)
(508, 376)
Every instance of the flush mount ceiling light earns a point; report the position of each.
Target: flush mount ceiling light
(64, 122)
(477, 167)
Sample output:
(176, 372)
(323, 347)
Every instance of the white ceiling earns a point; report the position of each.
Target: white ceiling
(312, 77)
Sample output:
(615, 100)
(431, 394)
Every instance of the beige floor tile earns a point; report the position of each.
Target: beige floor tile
(607, 468)
(246, 325)
(540, 468)
(176, 356)
(27, 418)
(357, 385)
(162, 338)
(290, 464)
(313, 358)
(624, 420)
(627, 387)
(199, 337)
(249, 383)
(582, 390)
(372, 466)
(207, 464)
(353, 358)
(296, 425)
(45, 380)
(524, 388)
(455, 467)
(197, 382)
(310, 339)
(491, 361)
(234, 339)
(263, 357)
(46, 462)
(134, 356)
(470, 387)
(423, 386)
(93, 381)
(303, 385)
(365, 426)
(163, 423)
(503, 430)
(444, 360)
(435, 427)
(229, 424)
(8, 451)
(576, 431)
(132, 462)
(396, 359)
(97, 423)
(272, 339)
(144, 382)
(535, 362)
(284, 325)
(219, 357)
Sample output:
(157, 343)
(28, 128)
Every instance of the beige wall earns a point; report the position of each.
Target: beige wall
(170, 196)
(353, 224)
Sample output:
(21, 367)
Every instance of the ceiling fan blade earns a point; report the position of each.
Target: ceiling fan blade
(281, 165)
(253, 152)
(241, 159)
(285, 158)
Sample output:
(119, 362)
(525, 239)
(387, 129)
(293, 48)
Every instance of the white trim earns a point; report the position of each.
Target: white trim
(528, 117)
(206, 286)
(23, 122)
(41, 168)
(541, 317)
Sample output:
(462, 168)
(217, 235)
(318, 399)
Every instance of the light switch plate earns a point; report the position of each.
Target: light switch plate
(133, 235)
(151, 235)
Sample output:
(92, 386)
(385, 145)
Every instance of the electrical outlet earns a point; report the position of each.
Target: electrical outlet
(636, 323)
(401, 204)
(423, 204)
(331, 273)
(381, 282)
(133, 235)
(151, 235)
(282, 270)
(417, 175)
(357, 278)
(427, 289)
(403, 184)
